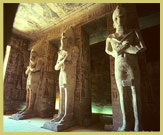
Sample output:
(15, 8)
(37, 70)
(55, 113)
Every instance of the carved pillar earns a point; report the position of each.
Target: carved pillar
(47, 95)
(83, 93)
(45, 98)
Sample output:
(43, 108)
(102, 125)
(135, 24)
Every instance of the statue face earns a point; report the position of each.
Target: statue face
(33, 54)
(119, 17)
(119, 20)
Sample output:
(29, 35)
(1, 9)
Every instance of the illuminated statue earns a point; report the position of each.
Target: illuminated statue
(34, 73)
(66, 63)
(124, 45)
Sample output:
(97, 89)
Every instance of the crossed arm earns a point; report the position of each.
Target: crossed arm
(136, 47)
(125, 46)
(60, 61)
(34, 69)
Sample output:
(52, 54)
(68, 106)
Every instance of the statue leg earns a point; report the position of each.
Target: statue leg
(61, 105)
(120, 89)
(32, 98)
(27, 101)
(28, 113)
(69, 104)
(134, 102)
(20, 115)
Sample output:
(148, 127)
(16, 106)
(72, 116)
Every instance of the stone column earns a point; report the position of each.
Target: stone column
(83, 93)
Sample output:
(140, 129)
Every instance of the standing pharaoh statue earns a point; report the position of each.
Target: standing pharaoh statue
(124, 45)
(66, 63)
(34, 73)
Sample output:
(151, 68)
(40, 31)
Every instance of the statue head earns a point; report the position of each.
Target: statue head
(33, 54)
(119, 17)
(67, 39)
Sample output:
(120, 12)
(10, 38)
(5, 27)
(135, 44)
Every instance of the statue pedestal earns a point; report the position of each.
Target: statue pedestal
(57, 127)
(22, 116)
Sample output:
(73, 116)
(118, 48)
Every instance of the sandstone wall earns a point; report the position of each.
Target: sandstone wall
(15, 78)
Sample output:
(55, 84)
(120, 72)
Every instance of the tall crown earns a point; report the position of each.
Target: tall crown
(118, 12)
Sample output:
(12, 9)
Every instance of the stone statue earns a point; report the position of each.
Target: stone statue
(124, 45)
(34, 73)
(66, 63)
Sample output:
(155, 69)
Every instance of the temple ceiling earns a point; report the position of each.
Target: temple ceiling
(32, 18)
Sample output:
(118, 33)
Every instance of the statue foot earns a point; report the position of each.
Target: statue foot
(121, 129)
(65, 119)
(21, 111)
(57, 119)
(136, 129)
(29, 111)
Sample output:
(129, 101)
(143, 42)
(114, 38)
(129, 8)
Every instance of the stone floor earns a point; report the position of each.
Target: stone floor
(34, 125)
(30, 125)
